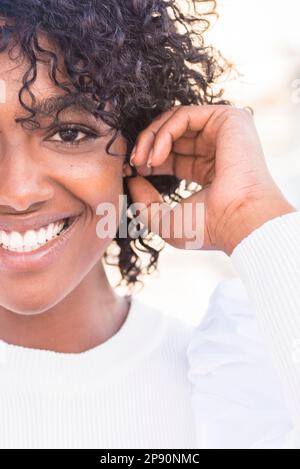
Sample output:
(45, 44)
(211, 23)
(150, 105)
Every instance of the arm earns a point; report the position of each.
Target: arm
(237, 395)
(245, 356)
(268, 262)
(218, 147)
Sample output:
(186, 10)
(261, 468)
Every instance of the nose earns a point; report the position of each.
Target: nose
(23, 185)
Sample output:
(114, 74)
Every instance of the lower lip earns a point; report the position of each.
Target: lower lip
(40, 258)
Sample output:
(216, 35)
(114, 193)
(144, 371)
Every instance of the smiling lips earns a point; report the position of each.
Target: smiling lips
(32, 239)
(26, 250)
(29, 234)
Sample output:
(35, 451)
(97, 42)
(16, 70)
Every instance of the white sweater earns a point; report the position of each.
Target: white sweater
(231, 382)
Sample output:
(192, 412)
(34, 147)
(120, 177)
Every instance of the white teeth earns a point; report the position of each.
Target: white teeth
(16, 239)
(32, 239)
(4, 238)
(50, 232)
(42, 236)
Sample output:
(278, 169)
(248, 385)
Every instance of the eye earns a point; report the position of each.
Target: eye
(72, 135)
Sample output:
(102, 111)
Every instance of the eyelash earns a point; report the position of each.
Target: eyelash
(89, 135)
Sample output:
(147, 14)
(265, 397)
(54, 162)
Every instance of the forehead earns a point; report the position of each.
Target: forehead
(49, 98)
(14, 66)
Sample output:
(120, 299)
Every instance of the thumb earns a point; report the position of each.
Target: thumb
(145, 198)
(182, 225)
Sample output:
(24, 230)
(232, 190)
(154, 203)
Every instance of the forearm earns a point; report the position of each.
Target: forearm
(251, 215)
(268, 262)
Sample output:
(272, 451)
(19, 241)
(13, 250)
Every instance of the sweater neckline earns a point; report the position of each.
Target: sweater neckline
(139, 334)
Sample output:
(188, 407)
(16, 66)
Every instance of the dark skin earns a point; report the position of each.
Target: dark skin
(70, 306)
(217, 147)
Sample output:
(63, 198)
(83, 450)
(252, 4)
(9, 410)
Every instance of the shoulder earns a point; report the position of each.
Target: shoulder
(228, 338)
(229, 322)
(237, 395)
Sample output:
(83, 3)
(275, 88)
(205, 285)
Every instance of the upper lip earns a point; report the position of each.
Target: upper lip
(17, 223)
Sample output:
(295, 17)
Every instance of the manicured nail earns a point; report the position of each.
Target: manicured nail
(133, 153)
(149, 162)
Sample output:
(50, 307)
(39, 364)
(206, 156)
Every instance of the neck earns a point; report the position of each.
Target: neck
(87, 317)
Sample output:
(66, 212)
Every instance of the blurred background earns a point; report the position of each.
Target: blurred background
(261, 37)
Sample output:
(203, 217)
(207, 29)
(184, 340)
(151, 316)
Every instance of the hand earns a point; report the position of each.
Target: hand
(217, 147)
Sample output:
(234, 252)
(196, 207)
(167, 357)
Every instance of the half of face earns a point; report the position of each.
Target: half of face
(52, 181)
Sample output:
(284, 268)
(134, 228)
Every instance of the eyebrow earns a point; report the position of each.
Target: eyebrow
(83, 103)
(57, 103)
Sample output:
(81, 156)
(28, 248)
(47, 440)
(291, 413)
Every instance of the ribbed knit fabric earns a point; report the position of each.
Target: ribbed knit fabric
(231, 382)
(268, 262)
(244, 356)
(130, 392)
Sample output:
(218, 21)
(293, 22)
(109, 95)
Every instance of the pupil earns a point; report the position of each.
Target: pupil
(68, 135)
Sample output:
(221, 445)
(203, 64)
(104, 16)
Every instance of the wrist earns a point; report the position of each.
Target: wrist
(251, 215)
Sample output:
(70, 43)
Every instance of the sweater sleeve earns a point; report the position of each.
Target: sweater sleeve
(245, 356)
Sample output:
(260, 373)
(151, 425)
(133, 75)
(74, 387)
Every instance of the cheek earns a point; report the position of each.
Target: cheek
(98, 182)
(94, 183)
(93, 177)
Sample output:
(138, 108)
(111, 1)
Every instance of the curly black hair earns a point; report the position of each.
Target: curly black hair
(142, 56)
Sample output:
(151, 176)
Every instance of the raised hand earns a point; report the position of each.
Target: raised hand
(217, 147)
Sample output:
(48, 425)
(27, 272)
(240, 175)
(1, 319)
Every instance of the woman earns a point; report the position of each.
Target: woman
(82, 367)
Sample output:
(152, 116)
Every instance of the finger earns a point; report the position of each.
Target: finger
(190, 168)
(163, 132)
(185, 119)
(155, 143)
(144, 197)
(182, 226)
(185, 146)
(142, 191)
(146, 138)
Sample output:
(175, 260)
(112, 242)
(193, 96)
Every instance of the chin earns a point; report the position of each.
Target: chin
(32, 307)
(31, 299)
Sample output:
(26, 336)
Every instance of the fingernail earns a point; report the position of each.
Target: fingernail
(133, 153)
(149, 162)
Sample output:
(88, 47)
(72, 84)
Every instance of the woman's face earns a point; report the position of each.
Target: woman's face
(41, 175)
